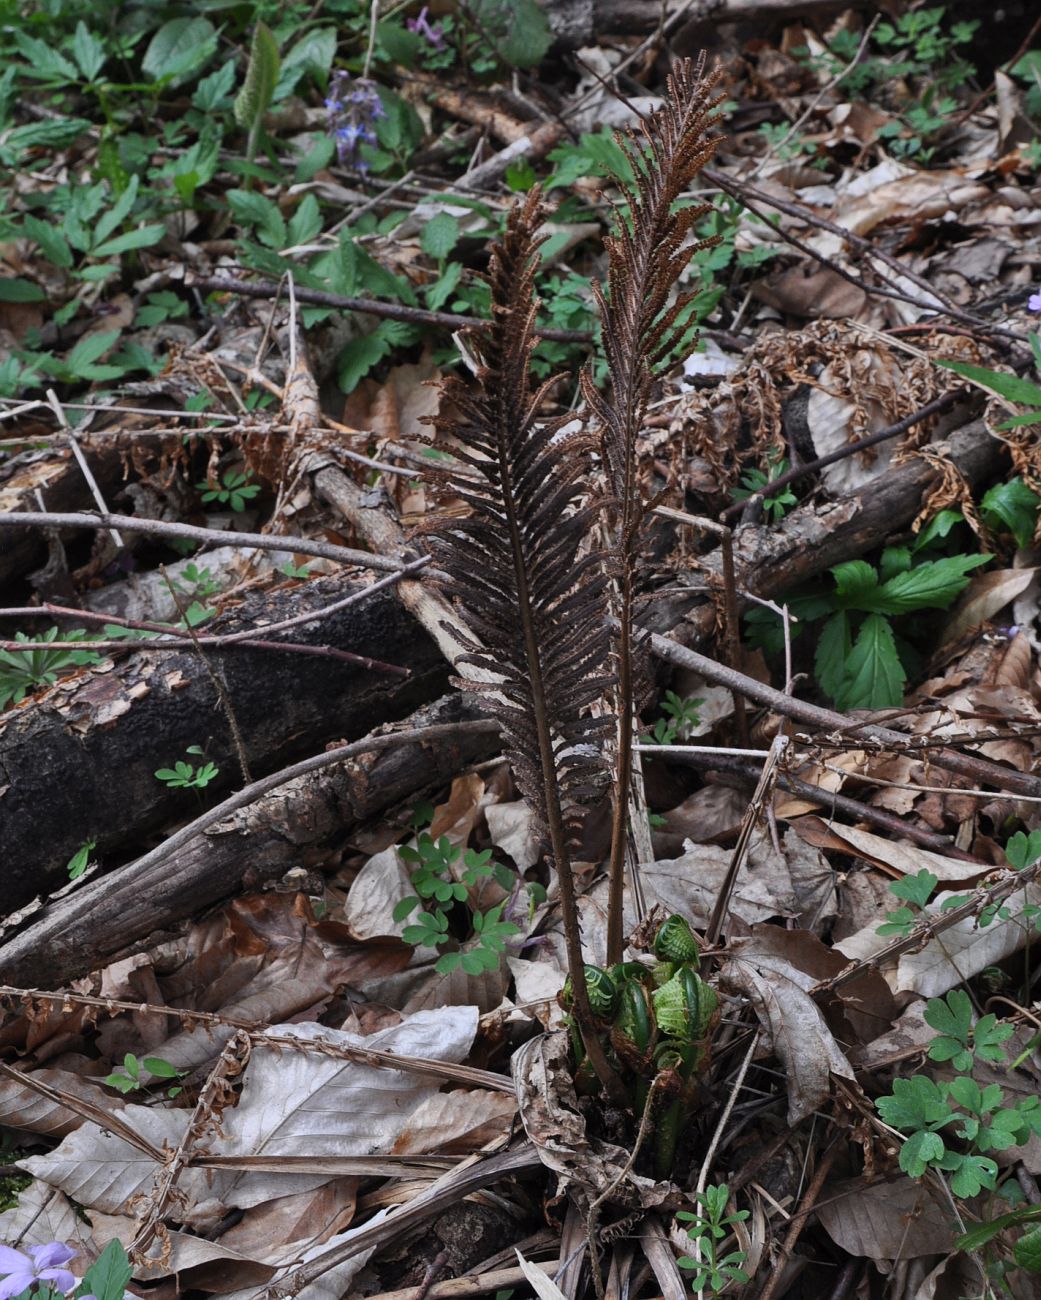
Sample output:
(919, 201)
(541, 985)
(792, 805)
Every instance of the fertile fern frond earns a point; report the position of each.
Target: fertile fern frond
(520, 567)
(649, 250)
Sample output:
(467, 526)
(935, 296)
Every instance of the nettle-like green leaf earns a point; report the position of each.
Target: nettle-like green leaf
(256, 210)
(915, 1103)
(313, 53)
(932, 585)
(937, 529)
(440, 235)
(212, 91)
(1027, 1251)
(1014, 506)
(44, 61)
(258, 90)
(306, 221)
(1011, 387)
(88, 51)
(855, 582)
(833, 649)
(594, 155)
(874, 676)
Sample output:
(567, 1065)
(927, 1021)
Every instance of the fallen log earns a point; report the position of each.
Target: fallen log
(293, 824)
(77, 761)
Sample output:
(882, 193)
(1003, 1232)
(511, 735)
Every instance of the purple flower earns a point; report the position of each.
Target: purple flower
(42, 1264)
(428, 32)
(353, 105)
(1034, 302)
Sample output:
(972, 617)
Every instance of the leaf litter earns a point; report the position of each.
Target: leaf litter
(344, 1105)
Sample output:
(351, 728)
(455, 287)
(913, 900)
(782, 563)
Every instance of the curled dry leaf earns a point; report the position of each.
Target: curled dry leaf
(779, 994)
(549, 1111)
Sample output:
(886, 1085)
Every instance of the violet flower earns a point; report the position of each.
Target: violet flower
(353, 105)
(1034, 302)
(423, 27)
(42, 1264)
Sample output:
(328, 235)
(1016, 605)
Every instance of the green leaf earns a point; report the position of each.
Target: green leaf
(1023, 850)
(518, 30)
(143, 237)
(160, 1068)
(55, 133)
(438, 293)
(258, 89)
(971, 1173)
(937, 528)
(440, 235)
(18, 289)
(43, 59)
(915, 1103)
(254, 209)
(1014, 506)
(212, 91)
(874, 674)
(916, 889)
(401, 45)
(108, 1276)
(854, 582)
(313, 53)
(594, 155)
(88, 51)
(932, 585)
(952, 1015)
(919, 1152)
(179, 47)
(833, 649)
(118, 213)
(80, 361)
(305, 222)
(1011, 387)
(1027, 1251)
(358, 358)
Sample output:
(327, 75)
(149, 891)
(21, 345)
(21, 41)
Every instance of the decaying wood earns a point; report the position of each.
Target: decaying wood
(292, 825)
(77, 762)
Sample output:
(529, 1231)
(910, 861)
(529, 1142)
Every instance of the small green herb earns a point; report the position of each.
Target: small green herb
(714, 1271)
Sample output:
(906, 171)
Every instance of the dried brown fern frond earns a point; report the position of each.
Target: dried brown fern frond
(641, 328)
(521, 571)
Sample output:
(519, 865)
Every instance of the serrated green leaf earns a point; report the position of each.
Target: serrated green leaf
(594, 155)
(258, 89)
(937, 528)
(254, 209)
(1023, 850)
(18, 289)
(88, 51)
(312, 53)
(358, 358)
(211, 91)
(56, 133)
(854, 582)
(43, 59)
(874, 674)
(89, 348)
(108, 1276)
(143, 237)
(919, 1152)
(1014, 506)
(833, 649)
(915, 889)
(953, 1014)
(932, 585)
(1011, 387)
(440, 235)
(305, 222)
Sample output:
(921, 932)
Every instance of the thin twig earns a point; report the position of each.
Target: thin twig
(206, 536)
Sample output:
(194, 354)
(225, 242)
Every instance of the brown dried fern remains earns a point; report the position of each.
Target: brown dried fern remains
(641, 329)
(521, 572)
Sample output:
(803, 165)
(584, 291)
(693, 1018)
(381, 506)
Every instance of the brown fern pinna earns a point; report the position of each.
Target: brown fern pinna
(641, 329)
(522, 573)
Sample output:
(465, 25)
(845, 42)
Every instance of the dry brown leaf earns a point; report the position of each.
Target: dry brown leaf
(888, 1220)
(986, 595)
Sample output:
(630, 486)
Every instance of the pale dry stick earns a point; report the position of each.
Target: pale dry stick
(787, 619)
(96, 1114)
(717, 1135)
(259, 1033)
(110, 408)
(775, 147)
(216, 639)
(458, 1288)
(81, 460)
(813, 715)
(760, 797)
(926, 789)
(206, 536)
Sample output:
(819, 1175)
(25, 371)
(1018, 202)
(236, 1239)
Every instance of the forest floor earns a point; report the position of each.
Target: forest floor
(282, 958)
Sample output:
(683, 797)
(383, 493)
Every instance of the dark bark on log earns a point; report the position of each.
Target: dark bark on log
(291, 826)
(578, 22)
(77, 761)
